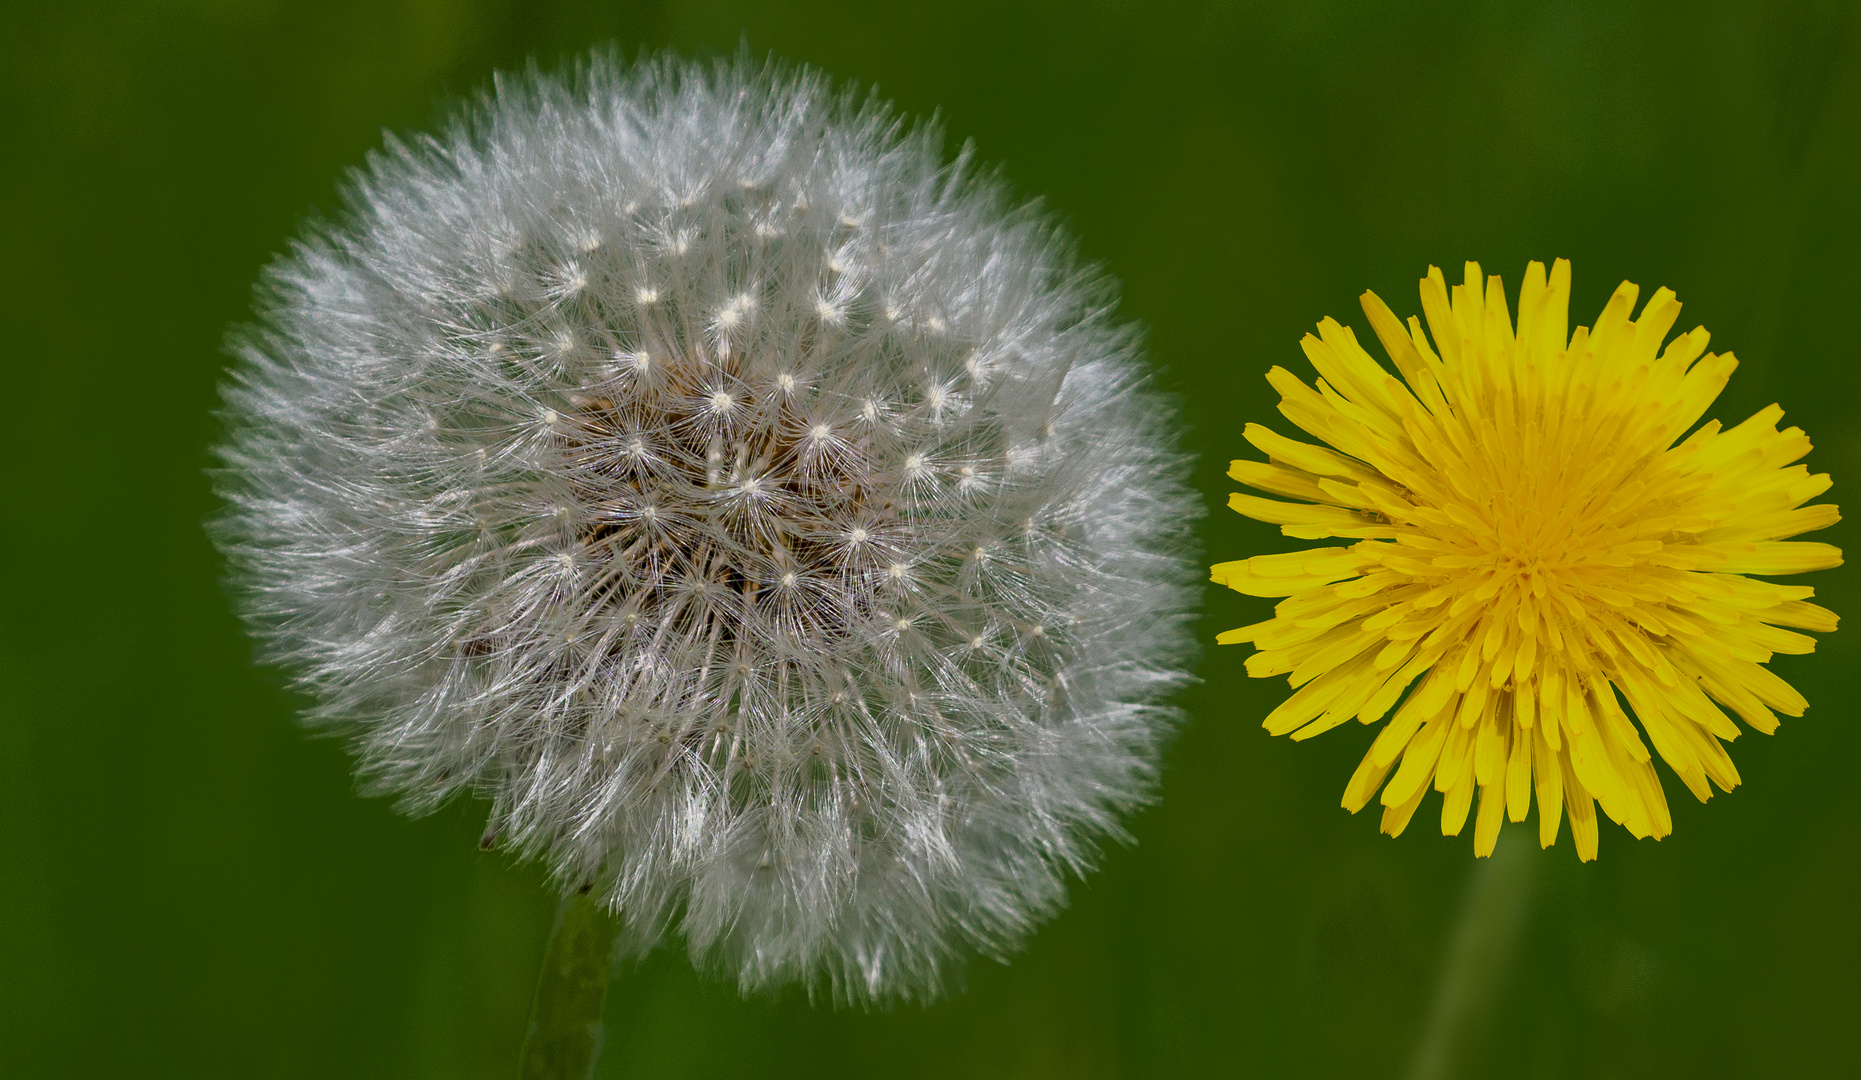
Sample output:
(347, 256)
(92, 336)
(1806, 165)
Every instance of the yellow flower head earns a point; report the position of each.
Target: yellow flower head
(1539, 553)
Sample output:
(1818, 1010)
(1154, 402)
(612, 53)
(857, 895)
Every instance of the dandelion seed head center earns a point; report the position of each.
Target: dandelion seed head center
(794, 513)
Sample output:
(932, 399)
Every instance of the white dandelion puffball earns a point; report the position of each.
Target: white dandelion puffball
(765, 515)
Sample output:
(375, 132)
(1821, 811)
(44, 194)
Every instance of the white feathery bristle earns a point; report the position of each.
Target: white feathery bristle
(767, 516)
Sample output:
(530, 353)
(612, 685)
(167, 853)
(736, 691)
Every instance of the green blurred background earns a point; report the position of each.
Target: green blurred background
(190, 887)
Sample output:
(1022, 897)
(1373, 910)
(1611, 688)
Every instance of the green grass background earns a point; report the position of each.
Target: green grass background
(190, 887)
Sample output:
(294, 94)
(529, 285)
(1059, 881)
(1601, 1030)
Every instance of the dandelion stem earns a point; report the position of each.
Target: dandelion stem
(1479, 958)
(566, 1033)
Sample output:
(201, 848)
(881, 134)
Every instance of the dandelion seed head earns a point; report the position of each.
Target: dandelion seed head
(662, 634)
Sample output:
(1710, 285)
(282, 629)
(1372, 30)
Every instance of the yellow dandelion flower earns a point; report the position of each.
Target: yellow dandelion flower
(1540, 556)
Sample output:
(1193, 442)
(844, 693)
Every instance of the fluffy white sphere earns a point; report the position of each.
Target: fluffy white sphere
(766, 515)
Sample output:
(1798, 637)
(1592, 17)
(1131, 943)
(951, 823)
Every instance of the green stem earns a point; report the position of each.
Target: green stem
(565, 1036)
(1478, 962)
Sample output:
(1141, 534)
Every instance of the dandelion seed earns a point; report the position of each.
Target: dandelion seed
(722, 555)
(1543, 550)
